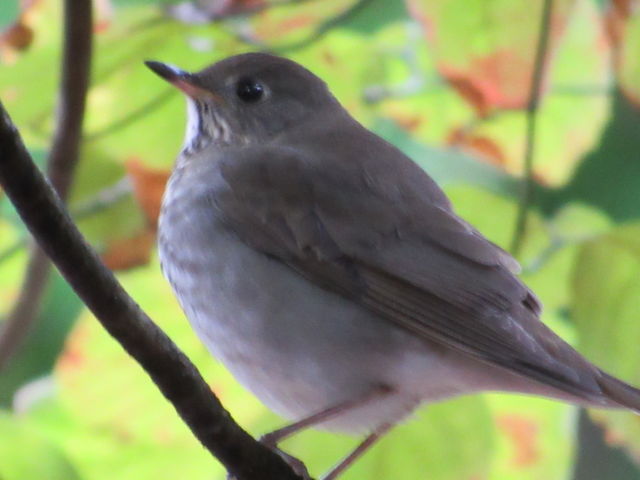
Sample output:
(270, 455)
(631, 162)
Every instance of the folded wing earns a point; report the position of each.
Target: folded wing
(404, 257)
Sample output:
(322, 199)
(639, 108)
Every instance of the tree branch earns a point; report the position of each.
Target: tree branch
(178, 379)
(532, 111)
(61, 163)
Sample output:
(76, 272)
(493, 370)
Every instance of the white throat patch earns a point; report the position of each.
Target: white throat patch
(193, 124)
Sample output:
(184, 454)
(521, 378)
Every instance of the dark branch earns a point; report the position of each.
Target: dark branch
(532, 110)
(76, 64)
(61, 164)
(178, 379)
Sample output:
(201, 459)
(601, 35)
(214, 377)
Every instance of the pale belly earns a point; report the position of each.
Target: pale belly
(301, 349)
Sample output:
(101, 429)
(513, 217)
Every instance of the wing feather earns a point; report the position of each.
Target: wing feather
(404, 257)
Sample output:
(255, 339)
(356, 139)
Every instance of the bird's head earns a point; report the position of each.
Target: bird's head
(245, 99)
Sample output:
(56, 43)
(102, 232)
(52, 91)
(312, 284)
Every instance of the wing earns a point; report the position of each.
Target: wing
(397, 249)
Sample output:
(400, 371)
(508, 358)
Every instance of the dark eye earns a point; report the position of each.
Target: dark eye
(249, 90)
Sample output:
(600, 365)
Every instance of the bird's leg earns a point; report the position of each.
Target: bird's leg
(273, 438)
(357, 452)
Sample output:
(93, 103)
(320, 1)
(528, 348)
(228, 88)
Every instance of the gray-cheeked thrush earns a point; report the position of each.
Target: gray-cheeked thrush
(329, 272)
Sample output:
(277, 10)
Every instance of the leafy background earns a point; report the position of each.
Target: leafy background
(447, 81)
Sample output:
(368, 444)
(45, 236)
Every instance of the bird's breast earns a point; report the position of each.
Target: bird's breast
(298, 347)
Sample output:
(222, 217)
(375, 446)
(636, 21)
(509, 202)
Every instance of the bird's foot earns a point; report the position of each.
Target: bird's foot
(296, 465)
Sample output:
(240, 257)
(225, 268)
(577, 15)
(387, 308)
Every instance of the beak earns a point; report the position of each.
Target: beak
(180, 79)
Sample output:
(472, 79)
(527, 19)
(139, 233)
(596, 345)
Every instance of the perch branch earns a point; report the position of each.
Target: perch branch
(178, 379)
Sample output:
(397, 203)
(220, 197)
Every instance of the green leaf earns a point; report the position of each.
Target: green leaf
(9, 10)
(609, 176)
(605, 310)
(42, 346)
(446, 166)
(535, 438)
(576, 222)
(629, 62)
(375, 15)
(485, 51)
(123, 403)
(491, 47)
(43, 461)
(414, 449)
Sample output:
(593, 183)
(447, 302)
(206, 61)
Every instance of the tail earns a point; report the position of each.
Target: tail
(619, 394)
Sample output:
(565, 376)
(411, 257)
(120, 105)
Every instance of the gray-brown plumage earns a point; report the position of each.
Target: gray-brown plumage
(326, 269)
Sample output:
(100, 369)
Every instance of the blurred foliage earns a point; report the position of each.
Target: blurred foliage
(446, 81)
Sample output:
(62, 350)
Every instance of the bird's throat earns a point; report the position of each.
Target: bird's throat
(193, 134)
(205, 126)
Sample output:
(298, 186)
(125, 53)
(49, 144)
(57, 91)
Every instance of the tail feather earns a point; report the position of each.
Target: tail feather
(619, 392)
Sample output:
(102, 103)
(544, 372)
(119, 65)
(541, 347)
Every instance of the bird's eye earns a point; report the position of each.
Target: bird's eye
(249, 90)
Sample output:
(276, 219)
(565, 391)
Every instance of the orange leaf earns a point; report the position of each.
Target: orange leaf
(623, 28)
(291, 24)
(17, 36)
(72, 358)
(488, 53)
(500, 80)
(523, 433)
(129, 252)
(409, 122)
(481, 146)
(148, 188)
(103, 16)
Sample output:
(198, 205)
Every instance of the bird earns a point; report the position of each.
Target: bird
(331, 275)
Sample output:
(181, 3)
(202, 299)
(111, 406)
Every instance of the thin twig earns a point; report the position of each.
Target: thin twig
(45, 216)
(132, 117)
(102, 200)
(532, 110)
(324, 28)
(319, 32)
(61, 163)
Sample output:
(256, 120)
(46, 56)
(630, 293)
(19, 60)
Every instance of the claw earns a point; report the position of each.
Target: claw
(296, 465)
